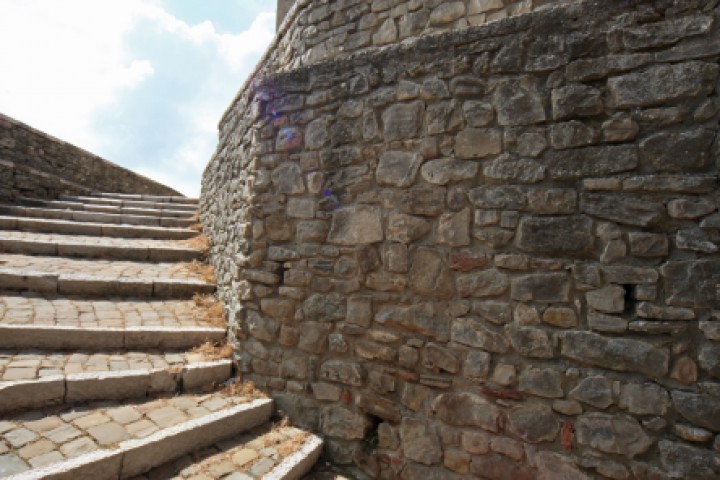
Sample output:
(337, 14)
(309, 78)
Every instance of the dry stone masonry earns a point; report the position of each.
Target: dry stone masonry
(490, 252)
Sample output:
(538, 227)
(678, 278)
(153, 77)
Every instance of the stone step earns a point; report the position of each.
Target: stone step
(42, 225)
(89, 247)
(25, 384)
(96, 217)
(63, 311)
(119, 440)
(154, 198)
(67, 201)
(282, 453)
(45, 337)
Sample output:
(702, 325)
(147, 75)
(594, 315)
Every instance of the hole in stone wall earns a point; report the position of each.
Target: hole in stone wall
(630, 300)
(372, 439)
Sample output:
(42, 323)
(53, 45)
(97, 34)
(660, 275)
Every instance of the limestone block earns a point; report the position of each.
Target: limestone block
(356, 225)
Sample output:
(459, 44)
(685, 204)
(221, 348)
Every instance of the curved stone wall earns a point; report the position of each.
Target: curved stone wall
(489, 253)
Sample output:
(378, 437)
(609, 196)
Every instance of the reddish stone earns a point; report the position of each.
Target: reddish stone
(467, 260)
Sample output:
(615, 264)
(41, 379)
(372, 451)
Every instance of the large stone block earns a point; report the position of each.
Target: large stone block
(685, 150)
(473, 332)
(403, 120)
(356, 225)
(518, 103)
(616, 434)
(684, 461)
(516, 171)
(421, 318)
(692, 283)
(625, 209)
(478, 143)
(534, 423)
(485, 283)
(342, 372)
(420, 441)
(337, 421)
(557, 235)
(466, 410)
(590, 161)
(429, 275)
(398, 169)
(576, 101)
(406, 228)
(448, 170)
(541, 287)
(701, 410)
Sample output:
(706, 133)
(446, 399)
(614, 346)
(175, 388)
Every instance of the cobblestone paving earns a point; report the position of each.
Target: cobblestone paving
(33, 365)
(245, 457)
(90, 240)
(104, 268)
(33, 309)
(36, 439)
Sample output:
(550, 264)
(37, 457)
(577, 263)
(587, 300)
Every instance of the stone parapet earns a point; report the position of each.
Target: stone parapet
(486, 253)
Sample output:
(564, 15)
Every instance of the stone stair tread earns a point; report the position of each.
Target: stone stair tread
(184, 208)
(280, 453)
(29, 243)
(44, 225)
(137, 196)
(56, 310)
(114, 439)
(108, 217)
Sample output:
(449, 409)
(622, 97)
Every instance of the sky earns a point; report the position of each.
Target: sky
(142, 83)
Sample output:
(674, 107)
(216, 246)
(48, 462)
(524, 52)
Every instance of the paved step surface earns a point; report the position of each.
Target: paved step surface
(154, 198)
(109, 335)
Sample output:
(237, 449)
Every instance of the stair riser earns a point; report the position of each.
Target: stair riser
(135, 457)
(115, 231)
(299, 463)
(98, 251)
(78, 388)
(111, 218)
(151, 198)
(138, 204)
(18, 337)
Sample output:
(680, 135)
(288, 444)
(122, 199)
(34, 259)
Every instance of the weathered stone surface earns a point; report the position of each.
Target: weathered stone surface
(590, 161)
(454, 229)
(530, 341)
(620, 354)
(572, 134)
(478, 143)
(498, 312)
(317, 134)
(695, 240)
(429, 275)
(561, 317)
(436, 357)
(420, 441)
(356, 225)
(543, 382)
(595, 391)
(687, 209)
(534, 423)
(478, 114)
(342, 372)
(553, 201)
(541, 287)
(683, 461)
(648, 244)
(447, 170)
(576, 101)
(558, 235)
(398, 169)
(518, 103)
(629, 211)
(691, 283)
(313, 337)
(662, 83)
(620, 130)
(509, 197)
(648, 310)
(289, 139)
(403, 120)
(288, 179)
(497, 467)
(477, 365)
(610, 299)
(678, 151)
(447, 12)
(325, 308)
(618, 434)
(473, 332)
(701, 410)
(644, 399)
(519, 171)
(486, 283)
(552, 466)
(466, 410)
(380, 407)
(406, 228)
(337, 421)
(420, 318)
(261, 327)
(664, 33)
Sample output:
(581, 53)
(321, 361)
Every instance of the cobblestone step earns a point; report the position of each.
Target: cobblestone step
(37, 380)
(93, 216)
(68, 311)
(282, 453)
(113, 440)
(88, 247)
(184, 208)
(154, 198)
(43, 225)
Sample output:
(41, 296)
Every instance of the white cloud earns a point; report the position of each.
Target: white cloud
(64, 62)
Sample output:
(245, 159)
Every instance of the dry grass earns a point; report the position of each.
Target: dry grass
(202, 270)
(214, 351)
(293, 445)
(198, 227)
(243, 389)
(199, 242)
(211, 309)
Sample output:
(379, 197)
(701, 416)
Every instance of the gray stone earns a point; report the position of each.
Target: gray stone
(387, 33)
(556, 235)
(679, 150)
(447, 12)
(421, 318)
(591, 161)
(398, 169)
(648, 310)
(359, 311)
(477, 365)
(495, 312)
(595, 391)
(534, 423)
(454, 229)
(659, 34)
(572, 134)
(473, 332)
(429, 275)
(434, 88)
(519, 171)
(12, 464)
(626, 274)
(478, 143)
(670, 183)
(478, 114)
(406, 228)
(552, 201)
(619, 354)
(701, 410)
(337, 421)
(518, 103)
(288, 179)
(342, 372)
(685, 209)
(429, 201)
(436, 357)
(356, 225)
(325, 307)
(289, 139)
(448, 170)
(629, 211)
(576, 101)
(466, 410)
(684, 461)
(691, 283)
(317, 134)
(609, 299)
(541, 288)
(420, 441)
(498, 197)
(261, 327)
(620, 130)
(606, 323)
(644, 399)
(662, 84)
(530, 341)
(648, 244)
(695, 240)
(313, 337)
(542, 382)
(552, 466)
(403, 120)
(485, 283)
(617, 434)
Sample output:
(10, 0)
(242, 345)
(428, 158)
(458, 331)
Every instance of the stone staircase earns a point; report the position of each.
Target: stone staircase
(111, 358)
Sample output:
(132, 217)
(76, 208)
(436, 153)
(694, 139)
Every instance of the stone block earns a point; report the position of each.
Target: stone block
(448, 170)
(616, 434)
(556, 235)
(420, 441)
(403, 120)
(542, 287)
(466, 410)
(519, 103)
(398, 169)
(682, 151)
(534, 423)
(474, 143)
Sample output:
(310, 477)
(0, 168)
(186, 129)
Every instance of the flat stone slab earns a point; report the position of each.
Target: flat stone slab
(42, 225)
(183, 208)
(97, 214)
(154, 198)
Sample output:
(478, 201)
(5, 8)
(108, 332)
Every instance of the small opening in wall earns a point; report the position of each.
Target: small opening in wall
(629, 298)
(372, 438)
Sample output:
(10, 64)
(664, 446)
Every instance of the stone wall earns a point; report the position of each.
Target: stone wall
(34, 164)
(488, 253)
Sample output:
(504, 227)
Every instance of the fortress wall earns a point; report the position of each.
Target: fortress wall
(488, 253)
(35, 164)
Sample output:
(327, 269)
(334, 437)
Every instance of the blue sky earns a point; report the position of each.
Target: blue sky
(141, 83)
